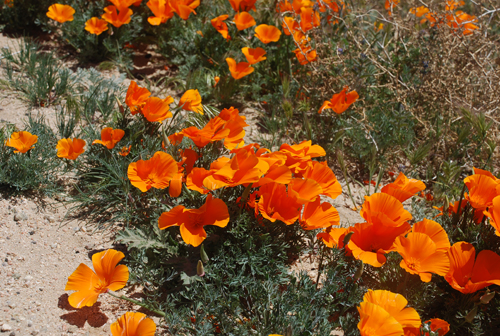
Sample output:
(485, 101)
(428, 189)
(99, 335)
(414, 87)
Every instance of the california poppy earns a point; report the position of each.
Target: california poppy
(267, 34)
(340, 101)
(161, 10)
(469, 273)
(304, 190)
(463, 21)
(22, 141)
(89, 284)
(194, 180)
(213, 131)
(123, 4)
(434, 231)
(309, 19)
(235, 124)
(275, 204)
(390, 4)
(324, 176)
(254, 56)
(125, 150)
(176, 138)
(493, 214)
(115, 17)
(305, 55)
(242, 5)
(184, 8)
(244, 20)
(384, 209)
(136, 97)
(318, 215)
(70, 149)
(133, 324)
(189, 157)
(61, 13)
(453, 4)
(219, 24)
(157, 109)
(384, 313)
(289, 23)
(192, 221)
(216, 80)
(482, 190)
(403, 188)
(96, 26)
(299, 155)
(419, 12)
(153, 173)
(239, 70)
(331, 236)
(191, 101)
(110, 137)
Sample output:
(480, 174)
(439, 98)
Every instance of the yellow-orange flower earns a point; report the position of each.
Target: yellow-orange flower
(235, 124)
(482, 190)
(318, 215)
(89, 284)
(110, 137)
(191, 101)
(324, 176)
(125, 150)
(153, 173)
(184, 8)
(219, 24)
(331, 236)
(96, 26)
(403, 188)
(254, 56)
(239, 70)
(123, 4)
(162, 11)
(267, 34)
(115, 17)
(275, 204)
(22, 141)
(61, 13)
(309, 19)
(493, 214)
(244, 20)
(70, 149)
(136, 97)
(310, 55)
(384, 209)
(298, 156)
(133, 324)
(157, 109)
(192, 221)
(213, 131)
(340, 101)
(242, 5)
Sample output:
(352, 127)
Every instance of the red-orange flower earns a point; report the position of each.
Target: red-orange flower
(96, 26)
(133, 324)
(275, 204)
(70, 149)
(235, 124)
(110, 137)
(289, 23)
(191, 101)
(157, 109)
(115, 17)
(469, 273)
(22, 141)
(299, 156)
(176, 138)
(324, 176)
(61, 13)
(242, 5)
(340, 101)
(493, 214)
(125, 150)
(161, 10)
(305, 55)
(267, 34)
(384, 209)
(123, 4)
(136, 97)
(254, 56)
(482, 190)
(403, 188)
(244, 20)
(153, 173)
(436, 325)
(309, 19)
(192, 221)
(213, 131)
(184, 8)
(318, 215)
(89, 284)
(331, 236)
(219, 24)
(239, 70)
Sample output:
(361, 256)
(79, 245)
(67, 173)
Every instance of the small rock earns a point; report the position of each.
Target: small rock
(6, 327)
(20, 216)
(34, 332)
(28, 278)
(51, 219)
(30, 323)
(12, 333)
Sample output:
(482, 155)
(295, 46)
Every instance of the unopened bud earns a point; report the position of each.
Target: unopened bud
(486, 298)
(470, 317)
(347, 238)
(120, 106)
(165, 139)
(203, 254)
(199, 269)
(359, 272)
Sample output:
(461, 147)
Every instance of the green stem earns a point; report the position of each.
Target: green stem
(457, 215)
(139, 303)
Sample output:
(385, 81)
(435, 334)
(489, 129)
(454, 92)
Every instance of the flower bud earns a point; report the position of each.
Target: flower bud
(486, 298)
(359, 272)
(347, 238)
(199, 269)
(470, 317)
(203, 254)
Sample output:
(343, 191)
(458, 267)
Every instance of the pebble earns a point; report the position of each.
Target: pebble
(6, 327)
(30, 323)
(51, 219)
(12, 333)
(20, 216)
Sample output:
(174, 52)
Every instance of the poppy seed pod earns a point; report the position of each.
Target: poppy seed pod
(199, 269)
(359, 272)
(203, 254)
(470, 317)
(486, 298)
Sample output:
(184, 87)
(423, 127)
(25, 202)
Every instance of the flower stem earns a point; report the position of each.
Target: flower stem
(139, 303)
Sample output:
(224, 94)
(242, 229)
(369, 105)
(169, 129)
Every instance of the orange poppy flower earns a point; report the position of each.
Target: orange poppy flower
(254, 56)
(161, 10)
(403, 188)
(370, 242)
(235, 124)
(309, 19)
(191, 101)
(242, 5)
(283, 6)
(275, 204)
(123, 4)
(70, 149)
(192, 221)
(299, 156)
(385, 313)
(115, 17)
(434, 231)
(324, 176)
(453, 4)
(125, 150)
(244, 20)
(189, 157)
(469, 273)
(482, 190)
(136, 97)
(310, 55)
(176, 138)
(110, 137)
(157, 109)
(267, 34)
(133, 324)
(89, 284)
(436, 325)
(331, 236)
(184, 8)
(213, 131)
(463, 21)
(219, 24)
(384, 209)
(61, 13)
(304, 190)
(390, 4)
(216, 80)
(493, 214)
(22, 141)
(8, 3)
(318, 215)
(340, 101)
(153, 173)
(419, 11)
(194, 180)
(297, 5)
(288, 24)
(239, 70)
(96, 26)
